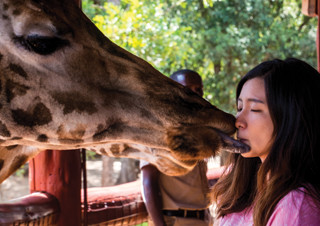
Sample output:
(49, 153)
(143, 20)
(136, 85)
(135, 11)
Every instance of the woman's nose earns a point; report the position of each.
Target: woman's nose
(240, 123)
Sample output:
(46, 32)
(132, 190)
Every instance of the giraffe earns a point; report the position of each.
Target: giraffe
(64, 85)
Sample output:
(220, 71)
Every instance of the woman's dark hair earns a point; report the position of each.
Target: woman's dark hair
(293, 97)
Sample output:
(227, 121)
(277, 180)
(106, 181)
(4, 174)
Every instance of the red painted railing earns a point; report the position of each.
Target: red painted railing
(114, 205)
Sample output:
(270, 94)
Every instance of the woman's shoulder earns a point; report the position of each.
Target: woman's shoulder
(298, 199)
(296, 208)
(243, 218)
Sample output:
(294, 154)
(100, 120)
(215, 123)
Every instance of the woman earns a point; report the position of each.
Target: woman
(278, 181)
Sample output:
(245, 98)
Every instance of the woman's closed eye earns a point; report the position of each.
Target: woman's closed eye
(239, 106)
(256, 110)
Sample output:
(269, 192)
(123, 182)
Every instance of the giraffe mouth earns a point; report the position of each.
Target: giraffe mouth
(200, 142)
(232, 145)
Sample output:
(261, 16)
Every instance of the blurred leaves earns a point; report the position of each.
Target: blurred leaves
(221, 39)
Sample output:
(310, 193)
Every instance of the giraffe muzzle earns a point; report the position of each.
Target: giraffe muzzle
(232, 145)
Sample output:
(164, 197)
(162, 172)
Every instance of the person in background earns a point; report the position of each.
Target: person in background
(278, 181)
(178, 200)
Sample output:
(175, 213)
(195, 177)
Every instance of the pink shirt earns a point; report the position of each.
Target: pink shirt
(295, 209)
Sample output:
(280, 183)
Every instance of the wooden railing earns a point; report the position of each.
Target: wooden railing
(114, 205)
(38, 208)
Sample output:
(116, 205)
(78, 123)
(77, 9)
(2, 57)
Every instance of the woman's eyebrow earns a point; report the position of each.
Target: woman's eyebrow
(253, 100)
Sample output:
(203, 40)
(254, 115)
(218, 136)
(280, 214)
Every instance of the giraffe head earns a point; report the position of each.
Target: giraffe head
(64, 85)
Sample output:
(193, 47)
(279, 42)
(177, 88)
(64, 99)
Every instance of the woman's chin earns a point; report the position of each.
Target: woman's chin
(247, 154)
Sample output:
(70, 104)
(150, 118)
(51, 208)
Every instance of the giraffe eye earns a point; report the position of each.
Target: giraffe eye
(41, 44)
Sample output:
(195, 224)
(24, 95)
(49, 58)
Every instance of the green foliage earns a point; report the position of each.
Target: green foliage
(143, 224)
(90, 155)
(22, 171)
(221, 39)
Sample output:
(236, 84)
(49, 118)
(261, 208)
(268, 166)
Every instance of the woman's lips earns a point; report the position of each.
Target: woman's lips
(246, 142)
(232, 145)
(243, 140)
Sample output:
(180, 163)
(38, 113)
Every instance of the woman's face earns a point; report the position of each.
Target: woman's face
(253, 122)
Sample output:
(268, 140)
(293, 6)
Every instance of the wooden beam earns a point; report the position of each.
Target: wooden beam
(309, 7)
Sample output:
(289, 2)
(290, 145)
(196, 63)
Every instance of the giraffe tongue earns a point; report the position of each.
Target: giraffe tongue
(231, 145)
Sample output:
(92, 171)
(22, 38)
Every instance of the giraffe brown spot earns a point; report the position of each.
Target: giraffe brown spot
(17, 162)
(11, 147)
(42, 138)
(182, 145)
(5, 17)
(5, 6)
(114, 127)
(70, 141)
(115, 149)
(78, 132)
(61, 131)
(103, 151)
(119, 68)
(72, 136)
(98, 136)
(1, 163)
(14, 89)
(149, 116)
(75, 101)
(39, 116)
(4, 130)
(1, 56)
(18, 70)
(16, 12)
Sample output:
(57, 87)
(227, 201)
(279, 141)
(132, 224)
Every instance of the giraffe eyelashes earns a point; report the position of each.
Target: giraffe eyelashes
(42, 45)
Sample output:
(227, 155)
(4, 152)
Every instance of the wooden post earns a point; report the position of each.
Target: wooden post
(309, 7)
(59, 173)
